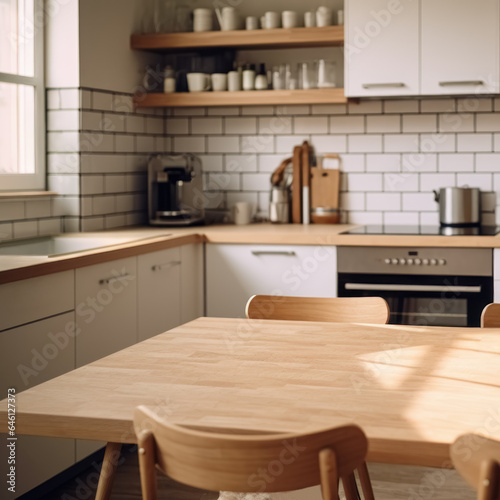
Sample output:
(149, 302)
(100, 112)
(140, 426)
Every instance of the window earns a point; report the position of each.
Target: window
(22, 103)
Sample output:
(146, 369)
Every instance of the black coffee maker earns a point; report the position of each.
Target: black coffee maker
(175, 190)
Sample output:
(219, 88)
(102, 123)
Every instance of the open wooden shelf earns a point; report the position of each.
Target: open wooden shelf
(330, 36)
(243, 98)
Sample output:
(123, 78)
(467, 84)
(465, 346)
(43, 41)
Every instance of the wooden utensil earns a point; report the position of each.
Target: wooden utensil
(306, 182)
(297, 186)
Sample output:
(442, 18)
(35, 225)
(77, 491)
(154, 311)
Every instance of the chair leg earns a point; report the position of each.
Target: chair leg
(350, 487)
(108, 471)
(366, 484)
(147, 465)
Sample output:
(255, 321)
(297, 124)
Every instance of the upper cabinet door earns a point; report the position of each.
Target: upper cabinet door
(382, 48)
(460, 46)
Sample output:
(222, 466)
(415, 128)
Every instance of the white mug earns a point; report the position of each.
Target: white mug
(324, 16)
(219, 82)
(202, 20)
(272, 20)
(169, 85)
(310, 19)
(228, 18)
(251, 23)
(243, 213)
(234, 81)
(289, 19)
(198, 82)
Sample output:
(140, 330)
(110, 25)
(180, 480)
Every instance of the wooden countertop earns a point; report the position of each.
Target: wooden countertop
(147, 239)
(412, 389)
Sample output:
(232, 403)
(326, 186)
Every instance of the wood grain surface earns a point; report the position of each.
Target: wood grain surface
(413, 390)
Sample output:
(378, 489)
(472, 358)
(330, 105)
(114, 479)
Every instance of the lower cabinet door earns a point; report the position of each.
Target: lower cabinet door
(236, 272)
(29, 355)
(159, 300)
(106, 309)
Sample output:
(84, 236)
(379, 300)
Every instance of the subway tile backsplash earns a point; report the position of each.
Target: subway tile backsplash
(394, 151)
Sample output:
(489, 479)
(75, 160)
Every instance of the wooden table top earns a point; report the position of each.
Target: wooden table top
(412, 389)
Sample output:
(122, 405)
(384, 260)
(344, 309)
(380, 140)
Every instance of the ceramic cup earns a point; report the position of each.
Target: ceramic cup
(219, 82)
(234, 81)
(202, 20)
(309, 19)
(271, 20)
(169, 85)
(252, 23)
(198, 82)
(324, 16)
(242, 213)
(289, 19)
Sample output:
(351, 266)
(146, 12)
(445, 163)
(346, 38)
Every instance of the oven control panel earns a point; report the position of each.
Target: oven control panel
(435, 261)
(414, 262)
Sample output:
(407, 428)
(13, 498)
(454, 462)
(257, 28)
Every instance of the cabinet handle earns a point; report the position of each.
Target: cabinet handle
(274, 252)
(411, 288)
(382, 85)
(107, 281)
(167, 265)
(464, 82)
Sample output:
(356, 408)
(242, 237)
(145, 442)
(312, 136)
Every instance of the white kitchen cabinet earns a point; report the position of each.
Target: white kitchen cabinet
(158, 287)
(36, 298)
(29, 355)
(382, 48)
(236, 272)
(460, 46)
(170, 289)
(192, 289)
(106, 309)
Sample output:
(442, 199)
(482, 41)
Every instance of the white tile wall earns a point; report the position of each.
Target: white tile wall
(394, 152)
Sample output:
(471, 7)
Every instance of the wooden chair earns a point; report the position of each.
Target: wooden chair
(337, 310)
(490, 317)
(251, 463)
(477, 459)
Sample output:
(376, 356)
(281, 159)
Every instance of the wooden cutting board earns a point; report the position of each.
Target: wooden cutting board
(324, 188)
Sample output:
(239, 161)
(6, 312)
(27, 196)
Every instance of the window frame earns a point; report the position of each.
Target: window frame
(37, 180)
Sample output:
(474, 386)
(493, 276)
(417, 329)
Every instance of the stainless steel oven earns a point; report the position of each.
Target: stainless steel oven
(423, 286)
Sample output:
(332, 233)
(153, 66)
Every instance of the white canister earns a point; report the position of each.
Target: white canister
(310, 19)
(289, 19)
(272, 20)
(242, 213)
(324, 16)
(234, 81)
(249, 77)
(219, 82)
(252, 23)
(202, 20)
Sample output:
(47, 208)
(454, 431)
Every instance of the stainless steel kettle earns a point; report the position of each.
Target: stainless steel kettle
(459, 206)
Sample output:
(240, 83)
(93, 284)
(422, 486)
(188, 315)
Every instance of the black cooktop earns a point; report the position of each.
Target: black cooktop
(427, 230)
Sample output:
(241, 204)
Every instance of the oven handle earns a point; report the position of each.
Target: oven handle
(412, 288)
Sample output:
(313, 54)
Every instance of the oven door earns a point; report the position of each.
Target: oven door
(423, 300)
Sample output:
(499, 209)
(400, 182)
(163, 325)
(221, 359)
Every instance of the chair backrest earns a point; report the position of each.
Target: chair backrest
(251, 462)
(337, 310)
(490, 317)
(477, 459)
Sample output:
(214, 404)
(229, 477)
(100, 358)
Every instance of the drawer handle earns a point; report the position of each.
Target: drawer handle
(107, 281)
(167, 265)
(411, 288)
(464, 82)
(274, 252)
(383, 85)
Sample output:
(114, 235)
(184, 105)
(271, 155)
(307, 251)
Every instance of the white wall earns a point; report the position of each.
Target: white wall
(106, 60)
(61, 40)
